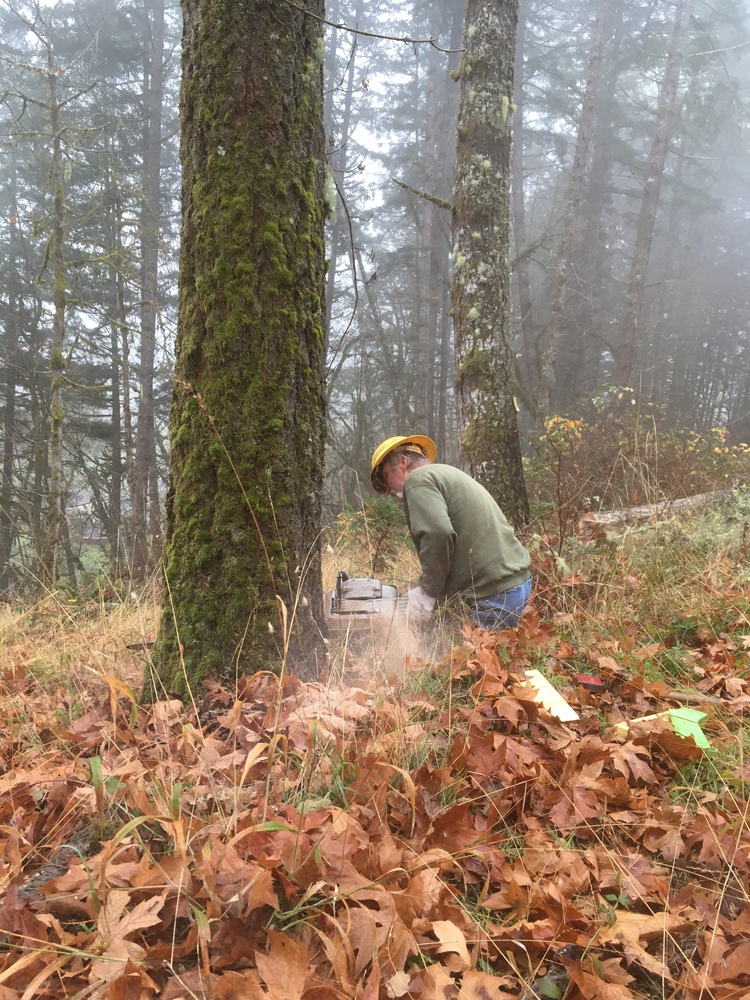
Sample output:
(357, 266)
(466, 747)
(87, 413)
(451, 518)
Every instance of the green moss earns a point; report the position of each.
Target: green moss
(252, 280)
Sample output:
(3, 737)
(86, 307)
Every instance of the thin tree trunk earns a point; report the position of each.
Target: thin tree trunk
(481, 275)
(115, 494)
(530, 351)
(429, 256)
(56, 491)
(399, 393)
(70, 558)
(145, 501)
(340, 227)
(580, 350)
(666, 113)
(573, 204)
(40, 433)
(7, 527)
(116, 469)
(331, 68)
(446, 436)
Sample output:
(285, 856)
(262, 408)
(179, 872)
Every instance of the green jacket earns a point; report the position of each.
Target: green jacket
(464, 543)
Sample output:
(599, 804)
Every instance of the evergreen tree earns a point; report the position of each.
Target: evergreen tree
(481, 275)
(243, 586)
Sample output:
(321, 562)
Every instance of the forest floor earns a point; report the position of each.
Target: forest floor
(432, 835)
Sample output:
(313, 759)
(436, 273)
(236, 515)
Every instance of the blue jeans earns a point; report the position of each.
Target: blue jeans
(501, 610)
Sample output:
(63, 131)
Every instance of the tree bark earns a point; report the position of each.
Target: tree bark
(481, 275)
(573, 204)
(247, 425)
(666, 113)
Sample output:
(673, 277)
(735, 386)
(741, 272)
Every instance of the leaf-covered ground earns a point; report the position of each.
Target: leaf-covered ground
(438, 836)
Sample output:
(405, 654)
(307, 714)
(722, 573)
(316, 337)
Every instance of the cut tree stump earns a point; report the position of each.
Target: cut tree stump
(618, 519)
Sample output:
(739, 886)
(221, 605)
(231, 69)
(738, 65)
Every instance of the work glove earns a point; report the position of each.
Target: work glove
(421, 605)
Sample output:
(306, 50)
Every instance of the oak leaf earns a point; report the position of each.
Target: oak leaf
(193, 985)
(452, 944)
(284, 969)
(437, 984)
(482, 986)
(627, 759)
(239, 986)
(629, 929)
(398, 985)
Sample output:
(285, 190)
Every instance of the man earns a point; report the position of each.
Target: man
(466, 547)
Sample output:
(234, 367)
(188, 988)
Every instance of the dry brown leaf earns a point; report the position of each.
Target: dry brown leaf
(398, 984)
(630, 929)
(647, 652)
(239, 986)
(482, 986)
(193, 985)
(453, 944)
(284, 969)
(113, 928)
(437, 984)
(628, 759)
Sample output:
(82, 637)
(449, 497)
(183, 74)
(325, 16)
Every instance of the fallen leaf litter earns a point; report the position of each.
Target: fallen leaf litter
(323, 842)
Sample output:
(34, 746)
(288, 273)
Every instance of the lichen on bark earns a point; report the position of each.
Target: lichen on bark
(480, 293)
(247, 424)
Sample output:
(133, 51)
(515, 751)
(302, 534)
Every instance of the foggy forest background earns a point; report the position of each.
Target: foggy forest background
(630, 253)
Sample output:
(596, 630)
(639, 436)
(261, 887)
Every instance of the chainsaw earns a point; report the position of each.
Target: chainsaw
(359, 604)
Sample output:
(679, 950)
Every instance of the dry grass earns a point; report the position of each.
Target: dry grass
(57, 635)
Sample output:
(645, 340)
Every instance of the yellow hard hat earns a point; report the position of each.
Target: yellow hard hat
(422, 444)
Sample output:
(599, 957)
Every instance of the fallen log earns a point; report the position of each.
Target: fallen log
(614, 519)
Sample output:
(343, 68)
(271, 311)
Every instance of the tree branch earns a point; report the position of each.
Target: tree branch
(440, 202)
(372, 34)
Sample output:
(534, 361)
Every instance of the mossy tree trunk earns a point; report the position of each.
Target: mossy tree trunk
(247, 425)
(481, 275)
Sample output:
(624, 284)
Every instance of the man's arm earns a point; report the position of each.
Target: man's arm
(433, 534)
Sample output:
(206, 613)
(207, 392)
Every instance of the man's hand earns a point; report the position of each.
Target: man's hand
(421, 605)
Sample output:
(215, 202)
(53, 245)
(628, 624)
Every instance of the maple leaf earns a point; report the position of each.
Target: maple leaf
(113, 928)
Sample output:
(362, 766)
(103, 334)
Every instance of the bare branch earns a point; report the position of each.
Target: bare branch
(372, 34)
